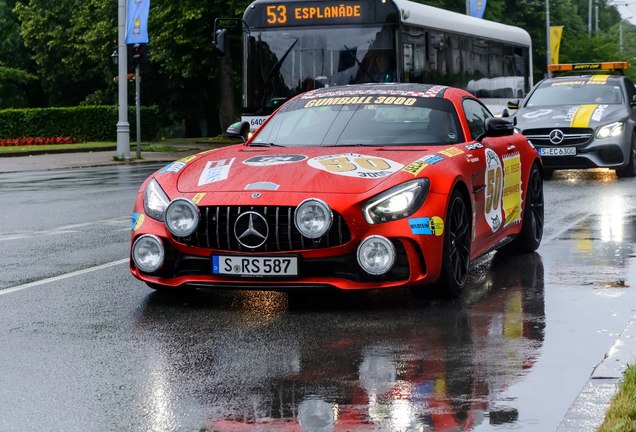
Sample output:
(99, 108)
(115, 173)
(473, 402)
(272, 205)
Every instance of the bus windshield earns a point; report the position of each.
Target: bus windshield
(281, 64)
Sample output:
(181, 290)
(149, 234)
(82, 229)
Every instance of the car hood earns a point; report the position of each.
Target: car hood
(580, 116)
(334, 169)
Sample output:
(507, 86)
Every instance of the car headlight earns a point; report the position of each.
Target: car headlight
(182, 217)
(155, 201)
(148, 253)
(396, 203)
(611, 130)
(313, 218)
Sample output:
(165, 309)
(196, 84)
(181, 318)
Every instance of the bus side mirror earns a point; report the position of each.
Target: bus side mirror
(513, 104)
(239, 130)
(221, 43)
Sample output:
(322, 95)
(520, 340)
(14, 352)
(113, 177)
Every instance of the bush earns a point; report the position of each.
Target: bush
(87, 123)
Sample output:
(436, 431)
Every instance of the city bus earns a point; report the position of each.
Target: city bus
(292, 46)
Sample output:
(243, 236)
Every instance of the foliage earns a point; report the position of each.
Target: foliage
(59, 51)
(87, 123)
(621, 415)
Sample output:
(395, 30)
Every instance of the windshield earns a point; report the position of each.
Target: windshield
(283, 63)
(576, 92)
(375, 120)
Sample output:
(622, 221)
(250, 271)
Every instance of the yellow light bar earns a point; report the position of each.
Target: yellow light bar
(566, 67)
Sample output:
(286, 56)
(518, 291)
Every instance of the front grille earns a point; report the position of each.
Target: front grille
(216, 230)
(571, 136)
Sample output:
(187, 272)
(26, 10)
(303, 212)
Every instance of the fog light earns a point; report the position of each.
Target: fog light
(182, 217)
(376, 255)
(313, 218)
(148, 253)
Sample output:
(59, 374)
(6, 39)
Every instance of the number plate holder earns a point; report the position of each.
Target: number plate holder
(255, 266)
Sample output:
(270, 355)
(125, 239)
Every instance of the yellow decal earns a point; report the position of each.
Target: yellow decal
(139, 222)
(451, 151)
(198, 197)
(415, 167)
(512, 188)
(379, 100)
(187, 159)
(582, 116)
(599, 79)
(437, 225)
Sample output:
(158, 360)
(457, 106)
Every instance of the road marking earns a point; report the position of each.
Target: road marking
(68, 229)
(567, 227)
(62, 277)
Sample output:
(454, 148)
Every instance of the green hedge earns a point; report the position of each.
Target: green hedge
(87, 123)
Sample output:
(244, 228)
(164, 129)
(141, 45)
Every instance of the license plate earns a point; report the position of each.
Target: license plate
(557, 151)
(254, 266)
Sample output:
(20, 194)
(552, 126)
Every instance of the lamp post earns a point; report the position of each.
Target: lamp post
(123, 127)
(547, 34)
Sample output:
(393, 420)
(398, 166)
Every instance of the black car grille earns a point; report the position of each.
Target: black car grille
(571, 136)
(216, 230)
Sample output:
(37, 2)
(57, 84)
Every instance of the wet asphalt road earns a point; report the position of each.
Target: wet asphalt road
(84, 346)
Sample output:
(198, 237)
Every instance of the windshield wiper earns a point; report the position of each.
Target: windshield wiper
(269, 144)
(270, 76)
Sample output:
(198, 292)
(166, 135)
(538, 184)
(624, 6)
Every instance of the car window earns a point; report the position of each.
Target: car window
(631, 90)
(577, 91)
(476, 115)
(375, 120)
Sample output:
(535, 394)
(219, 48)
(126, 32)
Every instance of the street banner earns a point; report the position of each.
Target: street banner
(477, 8)
(137, 21)
(555, 43)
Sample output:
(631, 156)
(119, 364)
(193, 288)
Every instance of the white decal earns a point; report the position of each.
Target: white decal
(598, 112)
(494, 190)
(355, 165)
(274, 159)
(537, 113)
(215, 171)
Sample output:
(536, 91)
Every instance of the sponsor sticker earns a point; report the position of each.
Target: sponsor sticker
(427, 226)
(598, 112)
(493, 178)
(355, 165)
(177, 166)
(474, 146)
(198, 197)
(537, 113)
(274, 160)
(417, 166)
(215, 171)
(137, 221)
(451, 152)
(512, 188)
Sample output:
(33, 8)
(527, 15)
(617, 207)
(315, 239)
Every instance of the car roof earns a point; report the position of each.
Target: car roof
(412, 89)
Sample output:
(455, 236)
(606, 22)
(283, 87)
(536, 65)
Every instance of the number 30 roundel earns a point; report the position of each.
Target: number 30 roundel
(494, 190)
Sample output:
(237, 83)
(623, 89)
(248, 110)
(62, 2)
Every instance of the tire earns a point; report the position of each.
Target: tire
(548, 174)
(456, 254)
(630, 169)
(531, 233)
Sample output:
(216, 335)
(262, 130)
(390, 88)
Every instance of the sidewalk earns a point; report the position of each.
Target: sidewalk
(85, 159)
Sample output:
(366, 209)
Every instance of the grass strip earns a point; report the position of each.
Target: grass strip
(621, 415)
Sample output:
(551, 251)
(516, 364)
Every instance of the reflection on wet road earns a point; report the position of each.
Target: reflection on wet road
(387, 361)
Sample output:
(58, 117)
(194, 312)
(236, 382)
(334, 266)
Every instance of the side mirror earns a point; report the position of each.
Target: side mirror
(634, 100)
(505, 113)
(497, 127)
(239, 130)
(221, 43)
(513, 104)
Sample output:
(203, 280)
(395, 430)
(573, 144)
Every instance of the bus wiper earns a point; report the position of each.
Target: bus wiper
(355, 58)
(274, 70)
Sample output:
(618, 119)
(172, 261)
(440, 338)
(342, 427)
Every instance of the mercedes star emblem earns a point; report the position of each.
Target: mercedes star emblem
(251, 229)
(556, 136)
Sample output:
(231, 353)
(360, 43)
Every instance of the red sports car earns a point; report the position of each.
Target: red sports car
(356, 187)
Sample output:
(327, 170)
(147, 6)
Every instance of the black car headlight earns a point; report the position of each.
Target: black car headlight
(611, 130)
(396, 203)
(155, 201)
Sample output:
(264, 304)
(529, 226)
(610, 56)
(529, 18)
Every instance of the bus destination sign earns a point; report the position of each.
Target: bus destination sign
(291, 14)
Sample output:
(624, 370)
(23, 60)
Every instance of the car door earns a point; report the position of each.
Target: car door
(495, 180)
